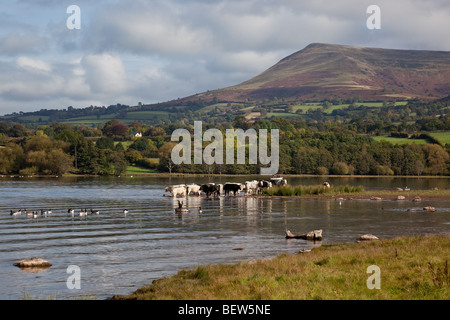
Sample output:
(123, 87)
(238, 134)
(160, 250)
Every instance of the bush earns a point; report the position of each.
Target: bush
(384, 171)
(340, 168)
(322, 171)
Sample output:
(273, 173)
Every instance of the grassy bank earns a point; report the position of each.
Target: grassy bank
(410, 268)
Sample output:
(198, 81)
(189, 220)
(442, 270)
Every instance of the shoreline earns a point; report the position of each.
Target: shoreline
(412, 268)
(386, 194)
(172, 175)
(368, 195)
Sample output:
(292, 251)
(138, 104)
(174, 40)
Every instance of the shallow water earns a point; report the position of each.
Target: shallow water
(117, 253)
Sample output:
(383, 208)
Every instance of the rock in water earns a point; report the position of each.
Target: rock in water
(368, 237)
(33, 263)
(314, 235)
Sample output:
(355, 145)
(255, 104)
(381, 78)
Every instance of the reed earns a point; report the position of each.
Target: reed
(293, 191)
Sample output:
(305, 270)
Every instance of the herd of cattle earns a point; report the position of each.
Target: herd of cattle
(227, 189)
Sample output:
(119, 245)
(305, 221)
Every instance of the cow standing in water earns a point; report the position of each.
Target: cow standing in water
(211, 189)
(263, 185)
(177, 190)
(193, 189)
(232, 187)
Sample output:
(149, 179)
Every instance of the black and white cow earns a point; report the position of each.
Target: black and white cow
(263, 185)
(211, 189)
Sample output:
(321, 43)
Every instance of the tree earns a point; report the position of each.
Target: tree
(17, 130)
(87, 158)
(165, 157)
(11, 158)
(436, 160)
(144, 145)
(59, 162)
(119, 162)
(340, 168)
(133, 156)
(115, 128)
(413, 160)
(105, 143)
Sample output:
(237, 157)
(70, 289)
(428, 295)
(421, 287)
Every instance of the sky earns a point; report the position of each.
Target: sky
(153, 51)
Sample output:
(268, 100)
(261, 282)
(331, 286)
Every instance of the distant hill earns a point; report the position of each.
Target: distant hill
(326, 71)
(302, 84)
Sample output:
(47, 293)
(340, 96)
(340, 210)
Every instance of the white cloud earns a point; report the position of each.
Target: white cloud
(150, 51)
(33, 65)
(16, 42)
(104, 73)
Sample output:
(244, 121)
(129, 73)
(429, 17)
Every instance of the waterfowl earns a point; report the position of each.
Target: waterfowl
(44, 213)
(180, 208)
(71, 211)
(200, 209)
(125, 211)
(16, 213)
(95, 211)
(35, 215)
(83, 213)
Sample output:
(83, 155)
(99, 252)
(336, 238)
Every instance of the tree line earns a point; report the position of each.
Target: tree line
(305, 148)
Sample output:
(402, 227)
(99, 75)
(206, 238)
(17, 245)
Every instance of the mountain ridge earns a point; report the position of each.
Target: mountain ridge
(325, 71)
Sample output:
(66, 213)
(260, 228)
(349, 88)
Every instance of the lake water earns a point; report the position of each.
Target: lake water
(117, 253)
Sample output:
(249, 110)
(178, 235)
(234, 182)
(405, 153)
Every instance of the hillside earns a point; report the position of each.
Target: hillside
(325, 71)
(322, 80)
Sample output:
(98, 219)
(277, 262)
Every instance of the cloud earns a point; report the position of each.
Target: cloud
(150, 51)
(33, 65)
(17, 42)
(104, 73)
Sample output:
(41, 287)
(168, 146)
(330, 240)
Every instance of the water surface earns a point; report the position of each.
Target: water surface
(117, 253)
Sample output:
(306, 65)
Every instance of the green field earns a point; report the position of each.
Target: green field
(125, 144)
(92, 121)
(443, 137)
(317, 105)
(281, 115)
(147, 115)
(400, 141)
(138, 170)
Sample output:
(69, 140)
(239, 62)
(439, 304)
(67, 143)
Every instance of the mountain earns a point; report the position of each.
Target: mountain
(318, 72)
(324, 71)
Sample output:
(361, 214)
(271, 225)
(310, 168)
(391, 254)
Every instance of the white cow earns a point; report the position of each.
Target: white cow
(193, 189)
(251, 187)
(177, 190)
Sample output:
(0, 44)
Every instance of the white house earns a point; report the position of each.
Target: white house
(136, 134)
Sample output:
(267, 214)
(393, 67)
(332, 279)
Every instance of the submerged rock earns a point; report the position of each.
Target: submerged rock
(429, 209)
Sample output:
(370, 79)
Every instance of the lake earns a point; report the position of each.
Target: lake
(117, 253)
